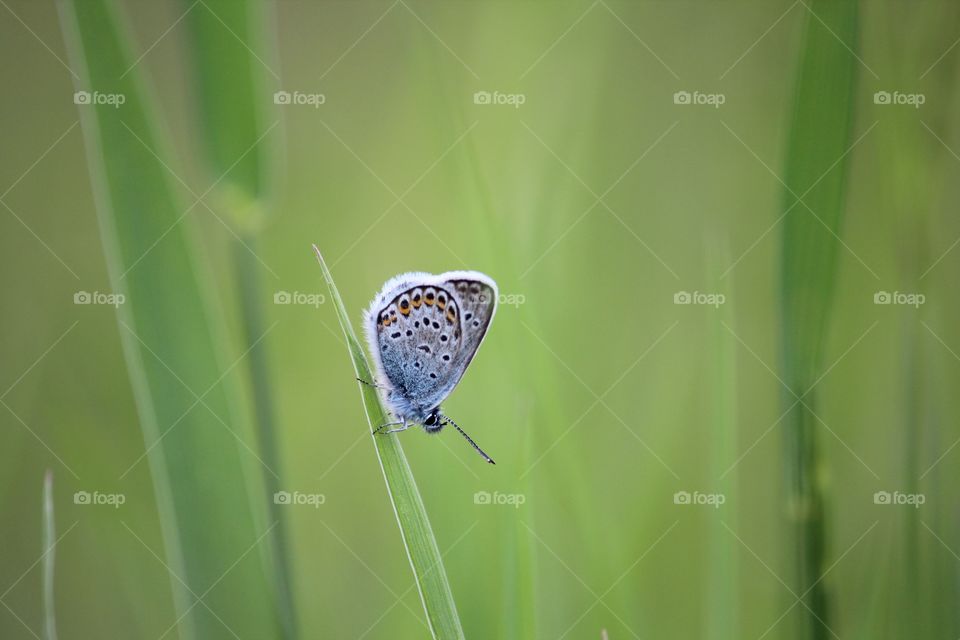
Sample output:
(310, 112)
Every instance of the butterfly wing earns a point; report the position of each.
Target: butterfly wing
(476, 296)
(424, 330)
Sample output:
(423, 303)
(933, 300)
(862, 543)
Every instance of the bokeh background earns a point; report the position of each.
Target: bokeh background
(593, 204)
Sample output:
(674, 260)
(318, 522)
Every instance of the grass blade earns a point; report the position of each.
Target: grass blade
(249, 281)
(228, 76)
(192, 423)
(418, 538)
(49, 541)
(816, 169)
(229, 72)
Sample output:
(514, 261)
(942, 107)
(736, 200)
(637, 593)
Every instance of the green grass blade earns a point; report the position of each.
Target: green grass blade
(819, 137)
(49, 540)
(229, 69)
(816, 168)
(249, 281)
(203, 488)
(230, 79)
(418, 538)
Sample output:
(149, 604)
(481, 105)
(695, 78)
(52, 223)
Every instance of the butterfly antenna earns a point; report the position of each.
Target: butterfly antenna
(469, 439)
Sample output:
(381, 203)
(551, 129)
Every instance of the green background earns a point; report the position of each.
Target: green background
(593, 203)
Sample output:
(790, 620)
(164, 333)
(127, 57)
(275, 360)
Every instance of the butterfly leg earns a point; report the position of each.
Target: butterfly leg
(406, 425)
(372, 384)
(390, 424)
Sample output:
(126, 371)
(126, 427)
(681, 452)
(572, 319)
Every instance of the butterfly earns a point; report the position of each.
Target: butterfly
(423, 331)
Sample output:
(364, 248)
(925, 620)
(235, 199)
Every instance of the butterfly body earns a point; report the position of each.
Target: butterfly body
(423, 330)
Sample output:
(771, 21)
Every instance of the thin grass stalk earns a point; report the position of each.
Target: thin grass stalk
(230, 85)
(819, 135)
(49, 541)
(417, 535)
(250, 283)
